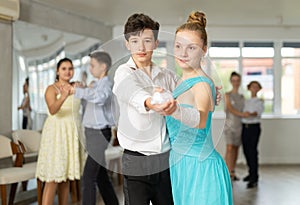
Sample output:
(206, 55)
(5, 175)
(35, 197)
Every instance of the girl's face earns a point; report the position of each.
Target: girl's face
(65, 71)
(235, 81)
(189, 49)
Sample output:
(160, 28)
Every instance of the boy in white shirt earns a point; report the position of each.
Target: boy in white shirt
(142, 133)
(251, 132)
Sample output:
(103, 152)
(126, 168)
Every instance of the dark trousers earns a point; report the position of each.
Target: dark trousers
(95, 173)
(24, 122)
(250, 138)
(146, 178)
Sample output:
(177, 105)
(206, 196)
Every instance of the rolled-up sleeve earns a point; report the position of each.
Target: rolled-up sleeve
(98, 94)
(129, 90)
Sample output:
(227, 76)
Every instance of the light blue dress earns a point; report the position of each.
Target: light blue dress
(199, 175)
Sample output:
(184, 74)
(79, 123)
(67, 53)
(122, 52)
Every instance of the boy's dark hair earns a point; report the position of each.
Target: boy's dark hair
(102, 57)
(254, 82)
(137, 23)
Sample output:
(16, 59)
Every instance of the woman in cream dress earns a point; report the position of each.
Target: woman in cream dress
(60, 157)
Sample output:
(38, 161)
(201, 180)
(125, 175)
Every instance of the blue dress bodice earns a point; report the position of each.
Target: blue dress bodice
(187, 140)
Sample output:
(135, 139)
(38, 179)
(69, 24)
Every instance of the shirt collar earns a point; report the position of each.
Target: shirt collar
(155, 69)
(103, 78)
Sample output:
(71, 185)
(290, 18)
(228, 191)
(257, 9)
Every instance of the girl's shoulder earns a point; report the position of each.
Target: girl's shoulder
(53, 88)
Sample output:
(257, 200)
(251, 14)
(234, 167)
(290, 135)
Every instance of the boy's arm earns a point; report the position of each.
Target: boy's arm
(97, 94)
(129, 90)
(259, 108)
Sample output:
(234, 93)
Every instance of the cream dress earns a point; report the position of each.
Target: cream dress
(60, 156)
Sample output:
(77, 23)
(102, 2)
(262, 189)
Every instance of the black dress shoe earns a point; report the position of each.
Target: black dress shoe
(246, 179)
(252, 184)
(234, 178)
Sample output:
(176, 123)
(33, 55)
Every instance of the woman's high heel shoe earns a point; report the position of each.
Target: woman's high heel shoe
(233, 176)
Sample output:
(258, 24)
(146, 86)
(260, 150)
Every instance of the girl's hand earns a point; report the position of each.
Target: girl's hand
(78, 84)
(66, 90)
(218, 95)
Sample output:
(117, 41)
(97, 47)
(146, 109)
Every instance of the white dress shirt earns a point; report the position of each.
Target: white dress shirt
(253, 105)
(138, 129)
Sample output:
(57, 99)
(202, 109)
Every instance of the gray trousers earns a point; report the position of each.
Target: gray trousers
(95, 173)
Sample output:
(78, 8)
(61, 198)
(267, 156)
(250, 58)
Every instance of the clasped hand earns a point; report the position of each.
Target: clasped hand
(167, 107)
(66, 89)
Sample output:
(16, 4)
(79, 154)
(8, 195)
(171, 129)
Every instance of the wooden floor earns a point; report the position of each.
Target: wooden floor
(278, 185)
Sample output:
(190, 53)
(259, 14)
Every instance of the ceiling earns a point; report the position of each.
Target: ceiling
(34, 40)
(231, 13)
(174, 12)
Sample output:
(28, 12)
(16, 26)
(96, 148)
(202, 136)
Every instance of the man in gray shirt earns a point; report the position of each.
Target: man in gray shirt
(97, 121)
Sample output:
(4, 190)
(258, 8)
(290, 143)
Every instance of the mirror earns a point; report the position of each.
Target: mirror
(36, 51)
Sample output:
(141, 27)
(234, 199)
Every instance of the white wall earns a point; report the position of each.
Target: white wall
(279, 141)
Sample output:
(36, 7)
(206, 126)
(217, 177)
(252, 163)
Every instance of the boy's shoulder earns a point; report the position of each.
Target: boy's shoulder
(125, 66)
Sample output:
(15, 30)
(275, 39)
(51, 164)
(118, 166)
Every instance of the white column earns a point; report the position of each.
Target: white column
(5, 78)
(277, 77)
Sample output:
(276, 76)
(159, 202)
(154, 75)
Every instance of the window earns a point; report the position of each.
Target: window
(160, 55)
(85, 65)
(33, 90)
(223, 69)
(43, 84)
(257, 64)
(224, 50)
(22, 63)
(224, 60)
(77, 70)
(261, 71)
(290, 79)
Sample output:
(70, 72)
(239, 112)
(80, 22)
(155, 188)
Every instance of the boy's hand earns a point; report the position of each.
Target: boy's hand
(166, 108)
(246, 114)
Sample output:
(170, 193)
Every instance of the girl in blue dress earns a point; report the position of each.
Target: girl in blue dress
(198, 173)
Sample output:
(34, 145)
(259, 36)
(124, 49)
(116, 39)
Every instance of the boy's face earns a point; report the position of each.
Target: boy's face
(141, 46)
(254, 88)
(96, 68)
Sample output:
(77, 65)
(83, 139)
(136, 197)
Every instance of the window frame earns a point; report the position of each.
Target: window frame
(277, 74)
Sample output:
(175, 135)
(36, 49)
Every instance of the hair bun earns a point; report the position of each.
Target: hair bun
(197, 17)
